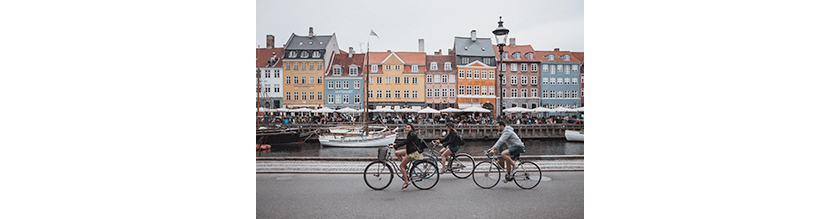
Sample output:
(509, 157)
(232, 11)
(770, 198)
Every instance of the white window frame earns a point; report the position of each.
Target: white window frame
(534, 67)
(469, 74)
(437, 92)
(387, 80)
(452, 92)
(437, 79)
(354, 70)
(329, 84)
(492, 90)
(378, 80)
(545, 80)
(553, 80)
(523, 67)
(374, 68)
(534, 80)
(336, 70)
(415, 68)
(387, 94)
(534, 92)
(460, 89)
(432, 66)
(483, 90)
(574, 81)
(492, 74)
(414, 94)
(567, 69)
(405, 94)
(504, 80)
(469, 89)
(429, 78)
(413, 80)
(447, 66)
(574, 68)
(476, 74)
(513, 92)
(330, 98)
(483, 74)
(428, 92)
(379, 94)
(513, 67)
(460, 73)
(357, 85)
(387, 67)
(444, 79)
(514, 80)
(357, 98)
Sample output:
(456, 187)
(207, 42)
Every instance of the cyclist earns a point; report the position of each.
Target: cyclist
(515, 146)
(452, 143)
(412, 143)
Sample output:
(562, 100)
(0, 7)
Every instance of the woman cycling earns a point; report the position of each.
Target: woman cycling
(452, 143)
(411, 149)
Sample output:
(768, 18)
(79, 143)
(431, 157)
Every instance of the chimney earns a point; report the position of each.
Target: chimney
(449, 52)
(269, 41)
(311, 33)
(512, 41)
(421, 45)
(389, 50)
(557, 49)
(350, 54)
(472, 35)
(437, 52)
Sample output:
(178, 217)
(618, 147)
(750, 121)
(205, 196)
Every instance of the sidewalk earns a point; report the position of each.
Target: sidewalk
(345, 165)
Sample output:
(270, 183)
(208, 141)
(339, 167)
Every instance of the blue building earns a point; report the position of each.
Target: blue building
(345, 85)
(560, 77)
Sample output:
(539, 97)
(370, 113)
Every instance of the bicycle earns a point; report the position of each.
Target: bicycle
(460, 165)
(526, 174)
(422, 173)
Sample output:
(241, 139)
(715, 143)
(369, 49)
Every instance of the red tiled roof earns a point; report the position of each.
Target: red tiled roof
(264, 56)
(557, 56)
(440, 59)
(344, 61)
(522, 50)
(416, 58)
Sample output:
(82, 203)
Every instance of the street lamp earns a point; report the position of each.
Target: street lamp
(501, 37)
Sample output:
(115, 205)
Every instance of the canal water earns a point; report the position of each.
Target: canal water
(472, 147)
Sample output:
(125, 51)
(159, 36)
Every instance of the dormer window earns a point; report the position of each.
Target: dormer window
(550, 57)
(488, 61)
(316, 54)
(465, 60)
(529, 55)
(304, 54)
(354, 70)
(505, 56)
(374, 68)
(566, 57)
(292, 54)
(414, 68)
(516, 56)
(336, 70)
(447, 66)
(433, 66)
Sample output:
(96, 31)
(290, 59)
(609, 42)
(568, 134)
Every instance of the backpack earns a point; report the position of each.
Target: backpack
(461, 141)
(420, 144)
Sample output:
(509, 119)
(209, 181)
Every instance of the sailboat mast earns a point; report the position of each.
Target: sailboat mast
(259, 88)
(367, 86)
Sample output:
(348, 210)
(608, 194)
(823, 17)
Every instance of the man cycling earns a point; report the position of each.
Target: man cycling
(515, 146)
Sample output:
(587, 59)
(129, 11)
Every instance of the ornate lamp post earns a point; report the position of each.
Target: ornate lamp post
(501, 37)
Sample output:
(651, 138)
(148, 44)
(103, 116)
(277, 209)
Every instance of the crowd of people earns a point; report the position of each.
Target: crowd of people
(443, 118)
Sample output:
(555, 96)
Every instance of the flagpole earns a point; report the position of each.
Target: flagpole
(367, 87)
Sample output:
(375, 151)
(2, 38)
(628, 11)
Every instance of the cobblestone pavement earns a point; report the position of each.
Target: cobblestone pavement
(358, 166)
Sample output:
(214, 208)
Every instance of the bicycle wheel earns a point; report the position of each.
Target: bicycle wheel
(430, 159)
(527, 175)
(462, 166)
(486, 174)
(424, 176)
(378, 175)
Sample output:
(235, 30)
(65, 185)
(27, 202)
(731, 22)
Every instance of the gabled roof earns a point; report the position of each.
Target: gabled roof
(522, 50)
(409, 58)
(541, 55)
(344, 61)
(264, 56)
(440, 59)
(481, 47)
(304, 42)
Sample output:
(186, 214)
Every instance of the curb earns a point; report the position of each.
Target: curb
(524, 157)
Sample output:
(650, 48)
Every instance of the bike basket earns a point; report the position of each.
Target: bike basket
(383, 153)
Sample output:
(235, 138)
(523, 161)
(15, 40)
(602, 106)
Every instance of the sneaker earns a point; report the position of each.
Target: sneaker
(507, 179)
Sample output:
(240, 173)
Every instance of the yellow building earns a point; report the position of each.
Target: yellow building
(396, 79)
(304, 64)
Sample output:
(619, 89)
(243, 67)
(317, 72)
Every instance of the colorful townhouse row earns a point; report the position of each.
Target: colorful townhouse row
(311, 71)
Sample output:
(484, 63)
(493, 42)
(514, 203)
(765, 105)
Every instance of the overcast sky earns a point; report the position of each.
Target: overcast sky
(544, 25)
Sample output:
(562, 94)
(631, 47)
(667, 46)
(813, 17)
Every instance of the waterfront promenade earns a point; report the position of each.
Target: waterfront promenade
(467, 131)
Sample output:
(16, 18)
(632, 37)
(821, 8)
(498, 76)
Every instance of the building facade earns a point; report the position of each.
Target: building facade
(476, 67)
(304, 64)
(520, 83)
(441, 82)
(396, 79)
(345, 84)
(560, 76)
(270, 76)
(579, 56)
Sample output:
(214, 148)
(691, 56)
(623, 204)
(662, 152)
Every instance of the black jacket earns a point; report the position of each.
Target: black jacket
(411, 141)
(451, 139)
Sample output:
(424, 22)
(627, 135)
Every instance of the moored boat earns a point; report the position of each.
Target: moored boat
(355, 136)
(574, 135)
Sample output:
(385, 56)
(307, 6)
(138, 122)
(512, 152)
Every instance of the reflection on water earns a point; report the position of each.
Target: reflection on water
(474, 148)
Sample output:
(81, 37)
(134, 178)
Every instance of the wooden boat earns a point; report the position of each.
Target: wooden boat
(574, 135)
(354, 136)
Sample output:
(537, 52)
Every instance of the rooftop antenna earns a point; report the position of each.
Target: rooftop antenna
(360, 44)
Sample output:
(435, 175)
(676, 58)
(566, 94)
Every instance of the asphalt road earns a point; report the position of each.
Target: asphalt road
(559, 195)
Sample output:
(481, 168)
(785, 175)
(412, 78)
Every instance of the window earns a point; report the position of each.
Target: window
(524, 80)
(469, 89)
(428, 78)
(560, 68)
(504, 92)
(268, 89)
(329, 84)
(533, 67)
(451, 78)
(414, 94)
(483, 74)
(320, 65)
(303, 95)
(512, 66)
(288, 79)
(545, 80)
(311, 79)
(437, 78)
(296, 79)
(574, 80)
(428, 92)
(566, 94)
(469, 74)
(414, 68)
(524, 92)
(312, 95)
(388, 94)
(387, 67)
(346, 98)
(483, 90)
(304, 54)
(379, 94)
(475, 74)
(378, 80)
(552, 70)
(443, 79)
(551, 57)
(534, 92)
(354, 70)
(387, 80)
(567, 69)
(574, 68)
(374, 68)
(524, 67)
(574, 94)
(452, 92)
(289, 95)
(346, 84)
(581, 81)
(433, 66)
(292, 54)
(370, 94)
(437, 92)
(516, 55)
(357, 84)
(316, 54)
(267, 73)
(320, 79)
(405, 80)
(492, 75)
(553, 81)
(370, 80)
(581, 92)
(492, 90)
(513, 92)
(504, 79)
(288, 65)
(302, 79)
(534, 80)
(476, 90)
(460, 89)
(396, 80)
(330, 98)
(529, 55)
(505, 56)
(447, 66)
(397, 94)
(503, 67)
(414, 80)
(397, 67)
(488, 61)
(552, 94)
(442, 93)
(465, 60)
(566, 57)
(568, 81)
(405, 94)
(545, 94)
(296, 95)
(296, 66)
(545, 67)
(276, 73)
(311, 66)
(336, 70)
(461, 73)
(513, 80)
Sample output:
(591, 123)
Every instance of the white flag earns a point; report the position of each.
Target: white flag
(373, 34)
